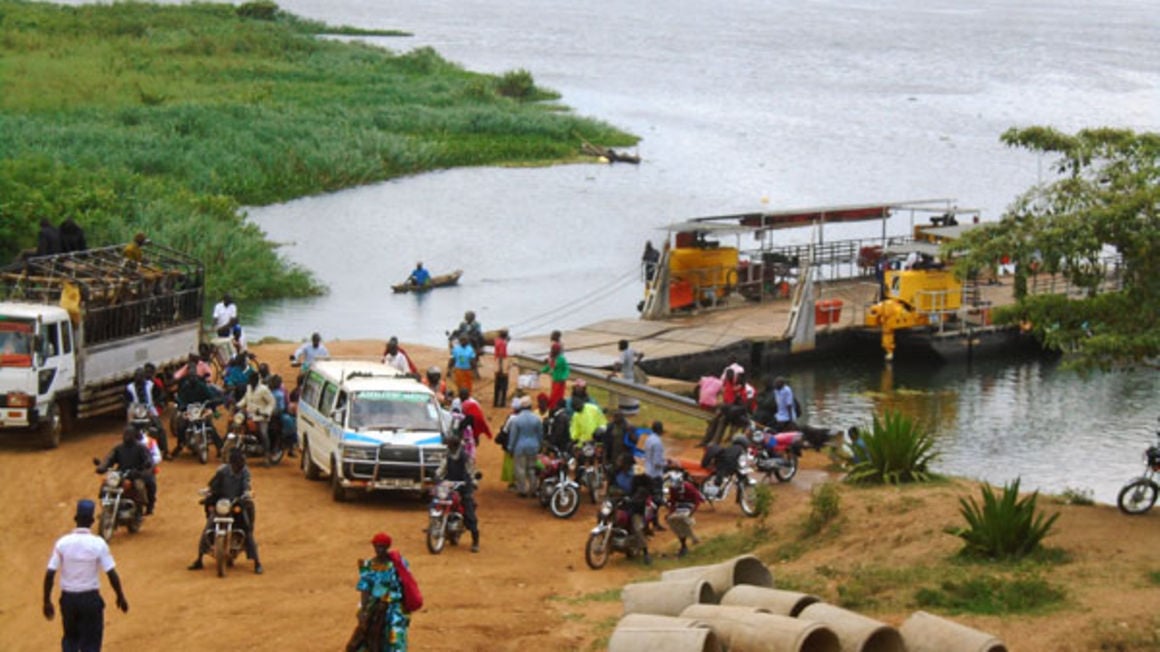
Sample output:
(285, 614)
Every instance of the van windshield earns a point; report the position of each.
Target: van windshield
(393, 411)
(15, 343)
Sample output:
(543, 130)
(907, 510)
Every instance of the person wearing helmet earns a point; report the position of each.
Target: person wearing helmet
(682, 503)
(436, 383)
(458, 466)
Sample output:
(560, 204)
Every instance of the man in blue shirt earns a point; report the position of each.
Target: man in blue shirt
(420, 277)
(786, 414)
(462, 364)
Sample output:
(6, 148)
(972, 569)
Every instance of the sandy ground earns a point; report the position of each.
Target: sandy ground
(529, 587)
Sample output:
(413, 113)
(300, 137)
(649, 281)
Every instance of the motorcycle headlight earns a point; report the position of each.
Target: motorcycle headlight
(112, 479)
(442, 491)
(140, 412)
(239, 418)
(572, 464)
(606, 509)
(222, 507)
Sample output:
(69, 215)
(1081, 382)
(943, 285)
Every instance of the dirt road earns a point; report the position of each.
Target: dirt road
(509, 596)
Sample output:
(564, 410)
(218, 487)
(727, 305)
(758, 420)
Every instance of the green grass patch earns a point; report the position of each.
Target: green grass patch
(825, 505)
(1076, 496)
(992, 595)
(607, 595)
(168, 119)
(1154, 577)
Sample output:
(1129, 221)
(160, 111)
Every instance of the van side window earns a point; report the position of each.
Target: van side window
(326, 406)
(66, 337)
(312, 391)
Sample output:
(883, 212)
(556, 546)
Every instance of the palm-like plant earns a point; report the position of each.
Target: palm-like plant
(895, 450)
(1003, 527)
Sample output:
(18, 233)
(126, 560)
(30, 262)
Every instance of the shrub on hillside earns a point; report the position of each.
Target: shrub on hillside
(895, 450)
(1003, 527)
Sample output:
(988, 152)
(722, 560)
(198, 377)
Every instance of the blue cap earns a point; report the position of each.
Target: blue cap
(85, 508)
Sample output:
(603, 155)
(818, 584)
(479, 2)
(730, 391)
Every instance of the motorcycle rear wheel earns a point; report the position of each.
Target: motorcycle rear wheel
(135, 522)
(786, 473)
(220, 553)
(565, 501)
(436, 538)
(596, 551)
(1138, 496)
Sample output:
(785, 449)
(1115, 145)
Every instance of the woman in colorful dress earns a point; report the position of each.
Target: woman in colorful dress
(383, 621)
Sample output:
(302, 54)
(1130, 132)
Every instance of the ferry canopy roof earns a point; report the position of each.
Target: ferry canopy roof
(759, 221)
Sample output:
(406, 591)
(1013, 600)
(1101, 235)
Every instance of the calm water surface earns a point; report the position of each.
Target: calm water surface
(794, 103)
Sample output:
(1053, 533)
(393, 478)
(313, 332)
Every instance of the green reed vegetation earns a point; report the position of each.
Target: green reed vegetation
(168, 119)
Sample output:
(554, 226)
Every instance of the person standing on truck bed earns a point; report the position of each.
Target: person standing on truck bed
(308, 353)
(48, 239)
(133, 251)
(72, 236)
(225, 315)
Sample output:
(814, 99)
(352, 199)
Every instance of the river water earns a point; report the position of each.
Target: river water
(741, 106)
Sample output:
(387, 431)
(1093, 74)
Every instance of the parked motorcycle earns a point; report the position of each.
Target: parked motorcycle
(557, 490)
(613, 533)
(231, 526)
(123, 501)
(243, 434)
(199, 430)
(592, 473)
(740, 480)
(445, 516)
(1138, 496)
(775, 453)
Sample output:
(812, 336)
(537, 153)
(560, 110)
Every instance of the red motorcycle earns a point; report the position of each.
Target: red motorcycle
(557, 490)
(445, 516)
(775, 453)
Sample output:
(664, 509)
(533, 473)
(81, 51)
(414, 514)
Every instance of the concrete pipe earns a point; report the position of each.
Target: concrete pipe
(857, 633)
(665, 598)
(653, 621)
(775, 601)
(680, 639)
(745, 569)
(749, 629)
(924, 632)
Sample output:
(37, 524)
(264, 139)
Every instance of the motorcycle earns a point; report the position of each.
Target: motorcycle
(613, 533)
(227, 539)
(199, 430)
(705, 481)
(557, 490)
(775, 453)
(1138, 496)
(445, 516)
(123, 502)
(140, 419)
(592, 473)
(243, 434)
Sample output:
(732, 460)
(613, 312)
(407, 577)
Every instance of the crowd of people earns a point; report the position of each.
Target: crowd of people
(561, 421)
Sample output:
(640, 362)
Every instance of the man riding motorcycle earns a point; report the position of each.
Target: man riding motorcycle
(142, 390)
(260, 403)
(459, 467)
(131, 455)
(725, 461)
(231, 481)
(192, 388)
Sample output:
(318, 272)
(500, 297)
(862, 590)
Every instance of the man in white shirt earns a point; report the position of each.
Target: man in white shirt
(225, 315)
(80, 556)
(308, 353)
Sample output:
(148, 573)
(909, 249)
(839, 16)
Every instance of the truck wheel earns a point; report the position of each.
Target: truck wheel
(50, 427)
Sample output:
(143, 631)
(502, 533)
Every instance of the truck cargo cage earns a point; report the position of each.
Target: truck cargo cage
(109, 295)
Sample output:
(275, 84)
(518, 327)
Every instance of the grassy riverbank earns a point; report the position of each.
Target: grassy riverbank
(167, 119)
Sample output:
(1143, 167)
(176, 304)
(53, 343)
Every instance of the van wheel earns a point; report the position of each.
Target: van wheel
(50, 427)
(336, 489)
(309, 468)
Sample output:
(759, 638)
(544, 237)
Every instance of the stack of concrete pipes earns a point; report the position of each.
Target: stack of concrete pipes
(733, 607)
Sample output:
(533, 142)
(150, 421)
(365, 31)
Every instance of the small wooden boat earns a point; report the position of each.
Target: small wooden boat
(442, 280)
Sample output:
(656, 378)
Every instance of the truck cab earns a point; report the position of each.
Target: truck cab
(37, 368)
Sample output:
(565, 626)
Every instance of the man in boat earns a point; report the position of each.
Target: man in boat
(419, 277)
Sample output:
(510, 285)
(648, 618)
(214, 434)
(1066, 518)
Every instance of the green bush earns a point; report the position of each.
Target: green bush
(1003, 527)
(260, 10)
(517, 84)
(825, 504)
(897, 450)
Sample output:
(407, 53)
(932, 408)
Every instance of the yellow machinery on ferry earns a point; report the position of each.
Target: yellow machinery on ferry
(919, 296)
(700, 272)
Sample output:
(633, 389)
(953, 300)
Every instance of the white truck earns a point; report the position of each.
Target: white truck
(74, 327)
